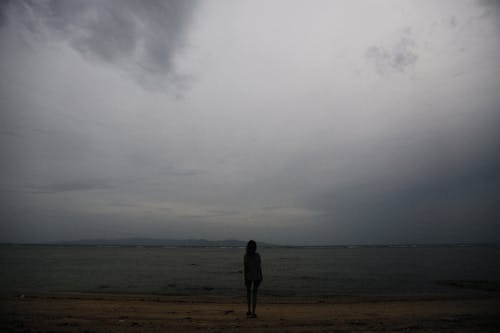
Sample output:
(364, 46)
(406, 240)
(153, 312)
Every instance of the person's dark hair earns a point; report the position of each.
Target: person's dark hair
(251, 247)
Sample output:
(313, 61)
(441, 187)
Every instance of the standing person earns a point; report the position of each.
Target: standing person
(253, 276)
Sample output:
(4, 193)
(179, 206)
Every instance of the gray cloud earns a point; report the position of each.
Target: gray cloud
(76, 185)
(491, 10)
(211, 213)
(179, 171)
(397, 58)
(271, 207)
(142, 38)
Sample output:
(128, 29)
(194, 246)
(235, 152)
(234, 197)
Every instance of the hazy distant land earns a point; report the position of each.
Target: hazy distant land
(160, 242)
(201, 242)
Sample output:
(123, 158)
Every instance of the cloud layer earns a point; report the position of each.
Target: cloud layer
(142, 38)
(398, 58)
(339, 122)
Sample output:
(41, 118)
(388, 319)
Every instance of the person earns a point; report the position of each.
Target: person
(253, 276)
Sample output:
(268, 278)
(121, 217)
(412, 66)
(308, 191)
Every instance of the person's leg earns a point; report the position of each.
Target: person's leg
(248, 284)
(254, 300)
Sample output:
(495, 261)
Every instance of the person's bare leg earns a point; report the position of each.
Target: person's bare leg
(248, 298)
(254, 299)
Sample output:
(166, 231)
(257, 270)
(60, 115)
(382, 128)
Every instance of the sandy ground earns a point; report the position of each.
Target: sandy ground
(86, 313)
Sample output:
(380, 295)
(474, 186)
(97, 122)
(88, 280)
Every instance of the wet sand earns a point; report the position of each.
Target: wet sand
(134, 313)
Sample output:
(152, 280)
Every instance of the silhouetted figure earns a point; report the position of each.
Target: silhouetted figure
(253, 276)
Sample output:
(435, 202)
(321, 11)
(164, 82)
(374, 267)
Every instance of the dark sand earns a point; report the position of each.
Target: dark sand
(133, 313)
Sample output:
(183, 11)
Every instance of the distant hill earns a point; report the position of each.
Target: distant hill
(163, 242)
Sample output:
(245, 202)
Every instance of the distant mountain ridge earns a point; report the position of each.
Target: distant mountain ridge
(138, 241)
(162, 242)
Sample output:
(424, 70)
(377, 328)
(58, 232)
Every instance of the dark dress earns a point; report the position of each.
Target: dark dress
(253, 270)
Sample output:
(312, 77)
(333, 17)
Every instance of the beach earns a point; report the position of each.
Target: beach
(65, 312)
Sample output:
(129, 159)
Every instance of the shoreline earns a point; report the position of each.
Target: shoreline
(278, 298)
(91, 312)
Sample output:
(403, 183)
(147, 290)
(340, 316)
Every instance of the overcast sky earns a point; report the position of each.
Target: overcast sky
(293, 122)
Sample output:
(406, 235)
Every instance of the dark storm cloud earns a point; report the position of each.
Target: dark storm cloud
(491, 10)
(77, 185)
(3, 14)
(431, 212)
(492, 7)
(396, 194)
(435, 191)
(397, 58)
(142, 37)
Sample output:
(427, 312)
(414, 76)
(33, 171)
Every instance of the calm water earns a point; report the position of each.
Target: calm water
(217, 271)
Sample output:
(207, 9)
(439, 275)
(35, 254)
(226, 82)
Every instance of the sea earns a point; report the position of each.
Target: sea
(288, 271)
